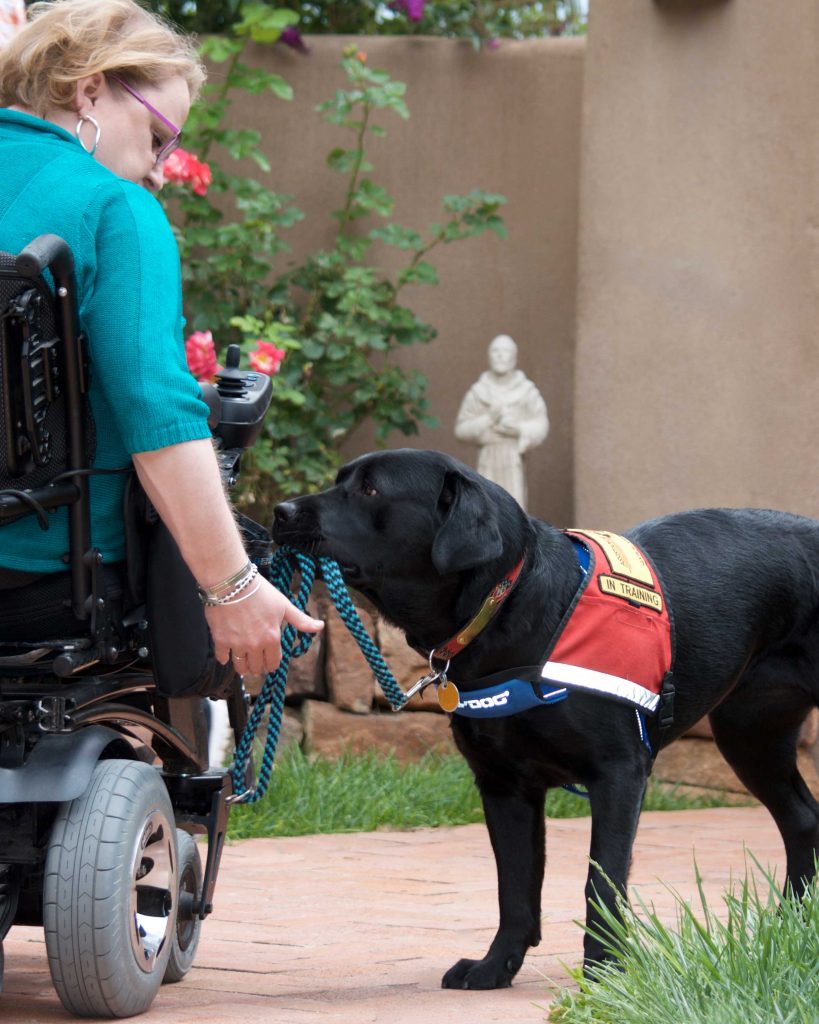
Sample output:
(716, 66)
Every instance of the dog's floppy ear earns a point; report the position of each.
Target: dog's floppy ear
(470, 534)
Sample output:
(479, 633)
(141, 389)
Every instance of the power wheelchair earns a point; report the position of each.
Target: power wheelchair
(104, 775)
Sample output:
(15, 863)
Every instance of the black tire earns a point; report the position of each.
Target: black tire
(188, 923)
(109, 892)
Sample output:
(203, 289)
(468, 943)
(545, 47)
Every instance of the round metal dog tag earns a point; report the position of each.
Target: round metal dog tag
(448, 696)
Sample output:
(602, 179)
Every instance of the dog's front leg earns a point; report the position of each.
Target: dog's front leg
(615, 801)
(518, 834)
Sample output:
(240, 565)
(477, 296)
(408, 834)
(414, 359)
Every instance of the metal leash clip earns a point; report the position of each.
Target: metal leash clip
(433, 676)
(240, 798)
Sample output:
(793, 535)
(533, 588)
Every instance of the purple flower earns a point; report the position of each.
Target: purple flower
(414, 8)
(493, 44)
(291, 36)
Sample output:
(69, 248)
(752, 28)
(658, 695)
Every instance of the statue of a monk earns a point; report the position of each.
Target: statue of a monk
(505, 415)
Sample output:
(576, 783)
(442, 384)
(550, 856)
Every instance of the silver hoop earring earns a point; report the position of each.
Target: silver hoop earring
(97, 133)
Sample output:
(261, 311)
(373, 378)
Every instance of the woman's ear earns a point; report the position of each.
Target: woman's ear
(87, 92)
(470, 533)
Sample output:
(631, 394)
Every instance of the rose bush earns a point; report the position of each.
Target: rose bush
(481, 21)
(329, 328)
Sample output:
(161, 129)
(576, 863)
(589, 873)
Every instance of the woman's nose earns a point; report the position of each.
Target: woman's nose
(155, 178)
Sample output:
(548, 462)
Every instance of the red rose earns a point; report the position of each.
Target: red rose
(182, 167)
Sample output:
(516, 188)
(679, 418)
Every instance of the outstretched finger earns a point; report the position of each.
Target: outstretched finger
(301, 620)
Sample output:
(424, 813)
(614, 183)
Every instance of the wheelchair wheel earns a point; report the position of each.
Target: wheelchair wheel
(188, 923)
(109, 892)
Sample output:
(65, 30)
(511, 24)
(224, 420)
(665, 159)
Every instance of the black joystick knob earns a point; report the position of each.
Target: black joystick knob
(231, 382)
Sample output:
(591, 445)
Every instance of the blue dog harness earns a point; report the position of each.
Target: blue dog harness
(508, 698)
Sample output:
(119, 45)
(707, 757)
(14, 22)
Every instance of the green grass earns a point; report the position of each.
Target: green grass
(363, 793)
(756, 962)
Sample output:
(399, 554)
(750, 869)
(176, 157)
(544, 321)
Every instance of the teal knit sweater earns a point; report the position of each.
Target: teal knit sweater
(142, 395)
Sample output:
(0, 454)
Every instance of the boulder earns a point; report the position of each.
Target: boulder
(698, 762)
(349, 677)
(329, 732)
(406, 665)
(808, 734)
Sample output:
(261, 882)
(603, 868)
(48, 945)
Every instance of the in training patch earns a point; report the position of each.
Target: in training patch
(631, 592)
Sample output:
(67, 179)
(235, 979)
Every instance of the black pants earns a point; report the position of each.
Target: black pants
(38, 606)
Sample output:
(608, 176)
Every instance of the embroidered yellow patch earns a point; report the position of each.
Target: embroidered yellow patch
(631, 592)
(623, 557)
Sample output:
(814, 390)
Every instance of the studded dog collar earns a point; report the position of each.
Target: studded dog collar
(488, 610)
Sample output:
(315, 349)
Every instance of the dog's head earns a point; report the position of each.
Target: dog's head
(404, 526)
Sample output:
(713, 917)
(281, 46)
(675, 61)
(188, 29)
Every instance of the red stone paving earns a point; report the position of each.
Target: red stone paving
(359, 928)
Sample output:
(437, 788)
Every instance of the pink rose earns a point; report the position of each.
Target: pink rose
(200, 352)
(182, 167)
(267, 358)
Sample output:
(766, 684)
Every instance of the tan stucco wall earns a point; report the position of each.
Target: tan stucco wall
(698, 307)
(508, 122)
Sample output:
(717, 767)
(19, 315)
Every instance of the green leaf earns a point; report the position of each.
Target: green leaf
(394, 234)
(279, 87)
(259, 158)
(220, 48)
(421, 273)
(263, 24)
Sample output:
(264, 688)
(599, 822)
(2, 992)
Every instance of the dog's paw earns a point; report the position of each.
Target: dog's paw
(482, 974)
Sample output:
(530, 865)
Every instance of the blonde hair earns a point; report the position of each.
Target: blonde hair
(67, 40)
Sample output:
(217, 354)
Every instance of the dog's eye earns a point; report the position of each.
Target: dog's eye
(368, 490)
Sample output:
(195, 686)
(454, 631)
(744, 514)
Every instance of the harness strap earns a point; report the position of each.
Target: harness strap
(508, 698)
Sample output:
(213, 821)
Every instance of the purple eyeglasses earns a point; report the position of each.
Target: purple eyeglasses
(176, 138)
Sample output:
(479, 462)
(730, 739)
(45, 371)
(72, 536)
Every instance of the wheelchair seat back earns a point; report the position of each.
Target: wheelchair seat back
(47, 437)
(33, 440)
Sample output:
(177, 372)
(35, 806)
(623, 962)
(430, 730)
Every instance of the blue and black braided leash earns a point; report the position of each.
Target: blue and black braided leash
(283, 567)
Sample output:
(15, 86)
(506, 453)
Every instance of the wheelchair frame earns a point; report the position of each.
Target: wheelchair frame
(69, 706)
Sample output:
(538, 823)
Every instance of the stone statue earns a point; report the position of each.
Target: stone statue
(505, 415)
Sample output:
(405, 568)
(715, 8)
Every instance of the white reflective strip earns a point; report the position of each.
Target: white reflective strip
(600, 682)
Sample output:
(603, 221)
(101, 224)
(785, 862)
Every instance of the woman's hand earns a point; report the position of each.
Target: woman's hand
(184, 485)
(249, 631)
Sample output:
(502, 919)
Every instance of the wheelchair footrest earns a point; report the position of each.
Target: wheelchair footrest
(201, 807)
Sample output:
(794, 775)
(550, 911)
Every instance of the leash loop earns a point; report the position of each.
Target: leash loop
(284, 565)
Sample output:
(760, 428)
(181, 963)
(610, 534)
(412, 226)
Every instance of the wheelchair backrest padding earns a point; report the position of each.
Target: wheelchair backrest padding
(33, 441)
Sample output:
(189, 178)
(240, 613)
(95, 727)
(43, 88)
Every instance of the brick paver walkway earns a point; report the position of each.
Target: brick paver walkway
(360, 928)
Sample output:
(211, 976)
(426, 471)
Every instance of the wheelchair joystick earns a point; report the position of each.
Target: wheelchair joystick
(244, 399)
(232, 382)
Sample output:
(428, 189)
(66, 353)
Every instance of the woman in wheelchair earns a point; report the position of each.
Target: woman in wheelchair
(106, 647)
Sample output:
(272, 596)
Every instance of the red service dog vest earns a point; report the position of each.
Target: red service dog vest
(615, 640)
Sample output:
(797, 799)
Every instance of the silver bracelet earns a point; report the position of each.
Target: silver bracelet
(216, 590)
(243, 597)
(211, 596)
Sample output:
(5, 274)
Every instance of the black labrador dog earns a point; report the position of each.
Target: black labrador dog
(426, 539)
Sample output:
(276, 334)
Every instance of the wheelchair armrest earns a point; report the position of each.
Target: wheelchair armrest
(211, 398)
(39, 500)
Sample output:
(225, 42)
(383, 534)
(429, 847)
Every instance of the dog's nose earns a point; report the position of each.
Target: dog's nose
(284, 512)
